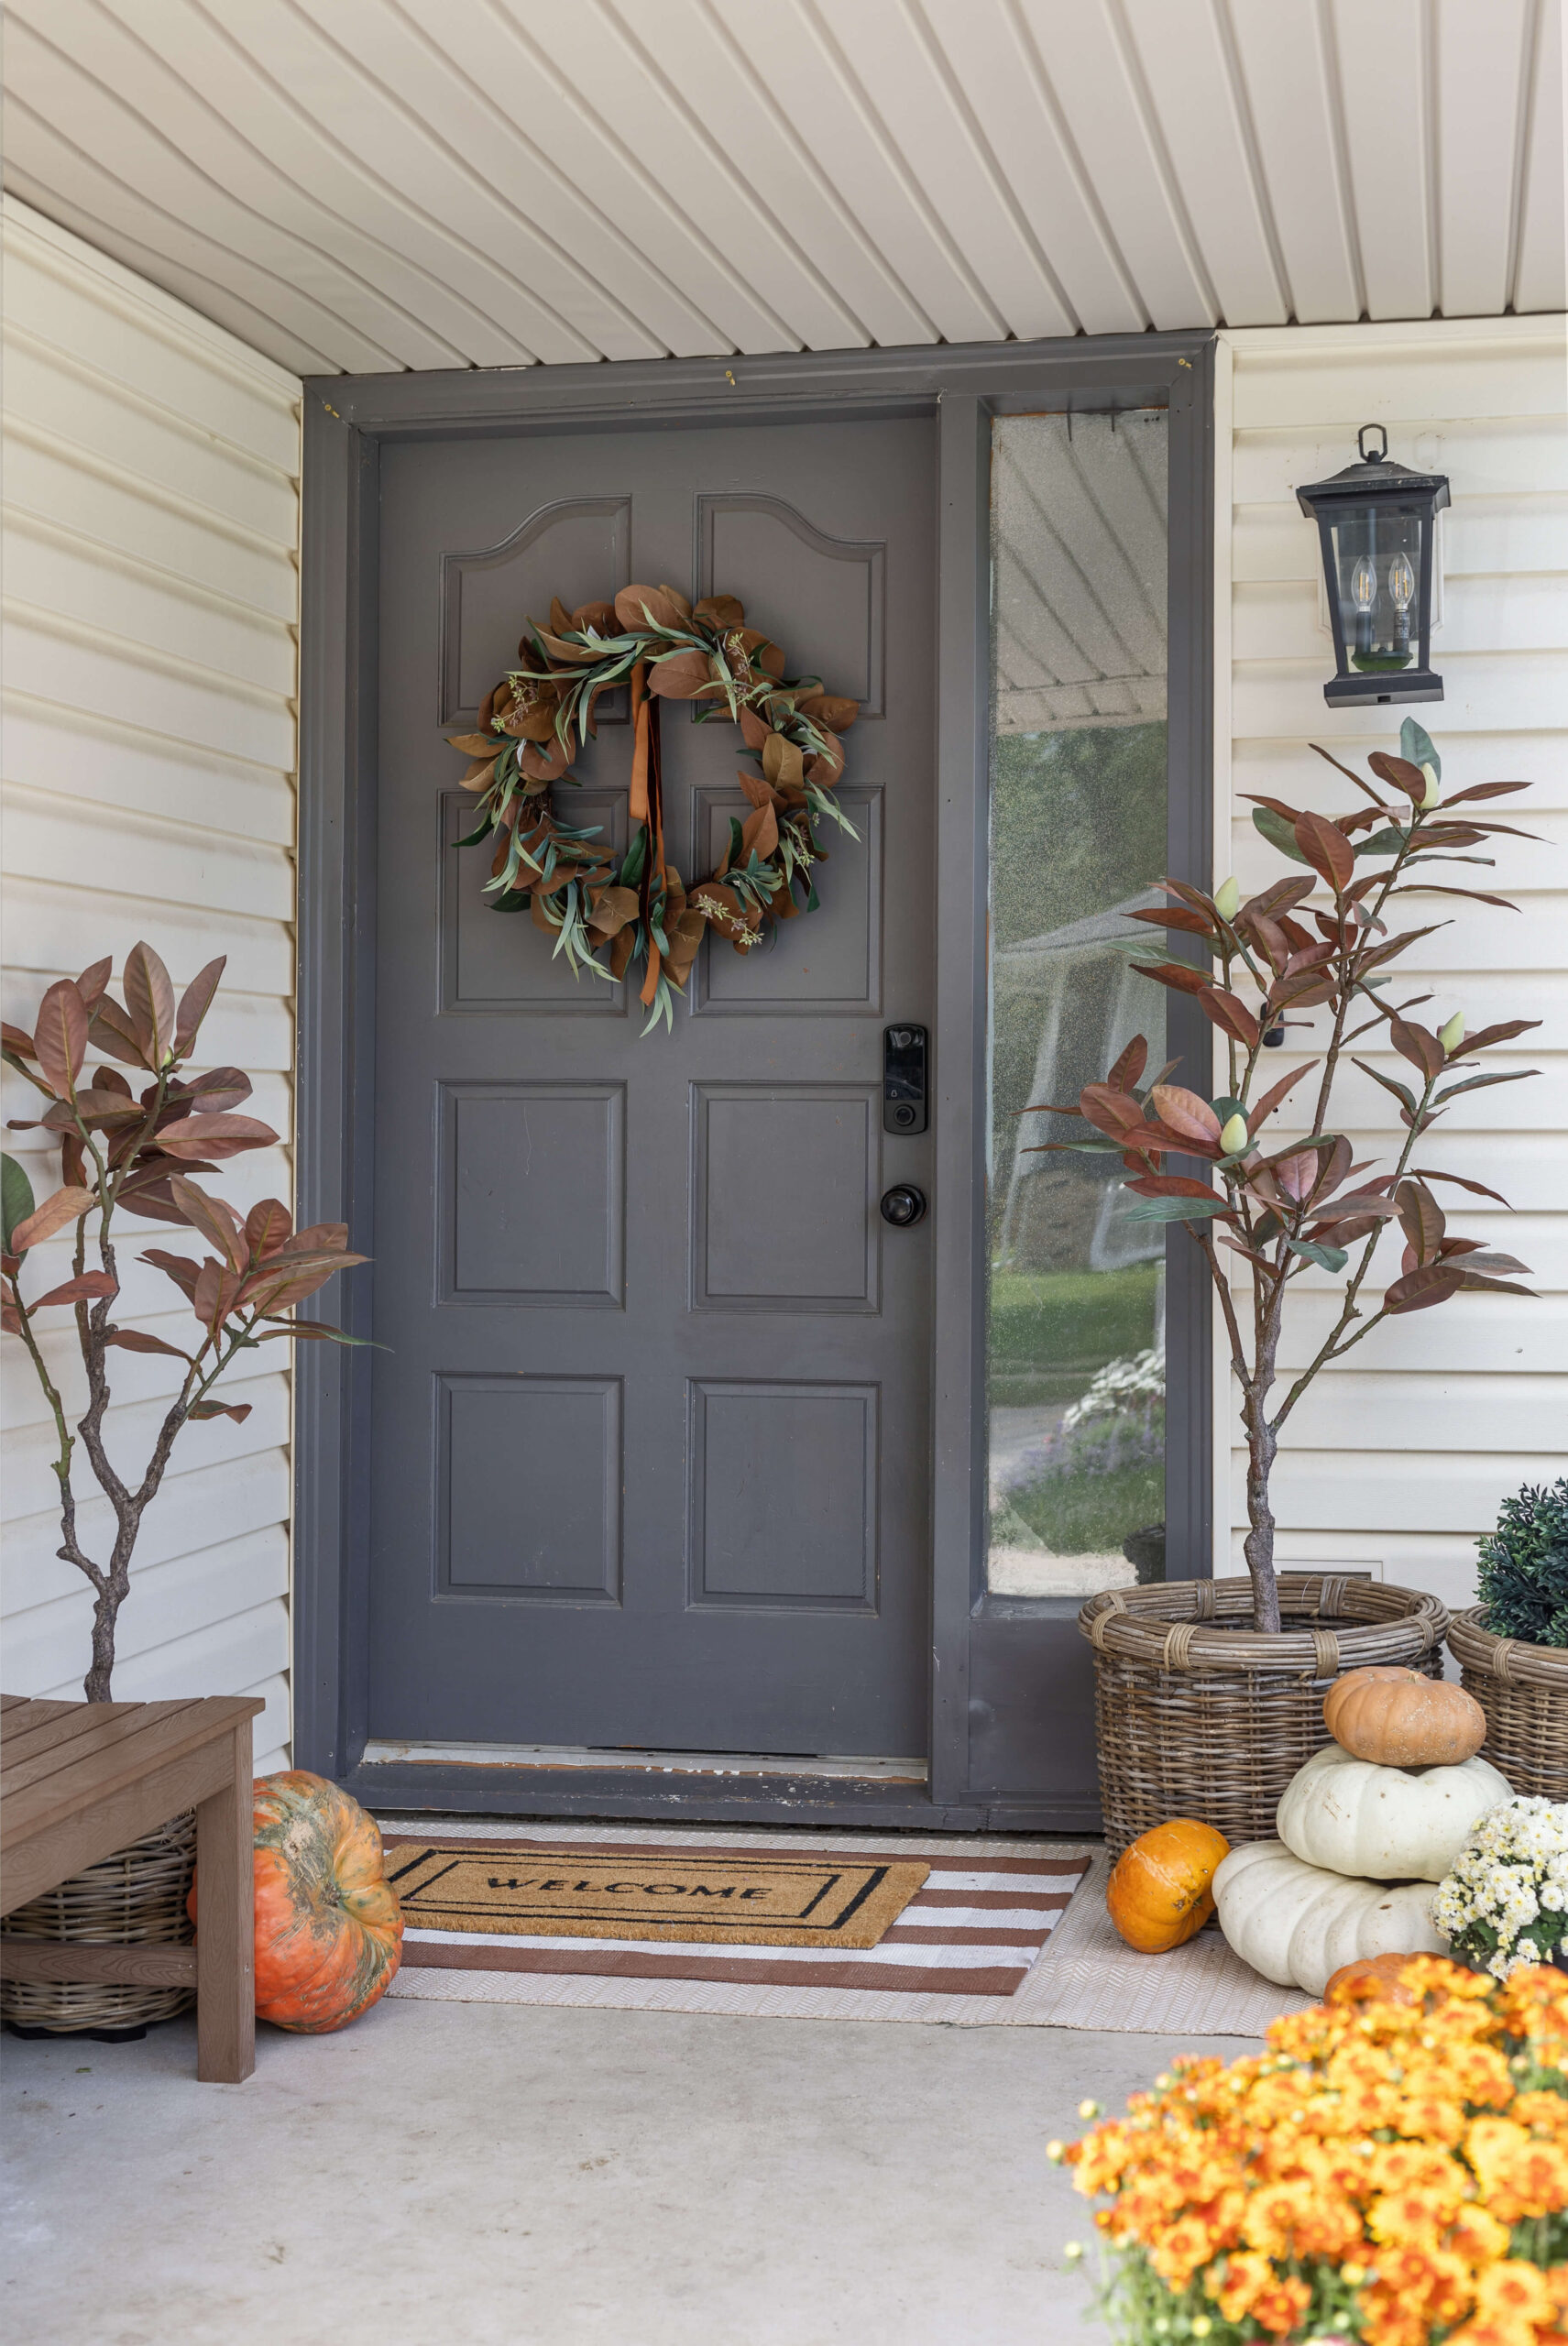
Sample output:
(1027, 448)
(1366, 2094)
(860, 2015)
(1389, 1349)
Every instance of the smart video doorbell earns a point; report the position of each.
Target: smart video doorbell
(904, 1079)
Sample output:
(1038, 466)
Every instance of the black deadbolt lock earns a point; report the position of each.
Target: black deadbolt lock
(904, 1108)
(904, 1206)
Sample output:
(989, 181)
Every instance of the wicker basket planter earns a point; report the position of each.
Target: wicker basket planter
(1196, 1714)
(1523, 1688)
(136, 1898)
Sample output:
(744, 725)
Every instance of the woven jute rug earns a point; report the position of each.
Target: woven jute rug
(652, 1894)
(1075, 1972)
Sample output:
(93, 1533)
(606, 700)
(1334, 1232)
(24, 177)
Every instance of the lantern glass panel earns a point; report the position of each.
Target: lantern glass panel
(1378, 573)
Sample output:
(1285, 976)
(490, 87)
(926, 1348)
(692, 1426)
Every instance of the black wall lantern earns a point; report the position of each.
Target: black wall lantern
(1377, 524)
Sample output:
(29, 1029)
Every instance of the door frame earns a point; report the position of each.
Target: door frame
(986, 1653)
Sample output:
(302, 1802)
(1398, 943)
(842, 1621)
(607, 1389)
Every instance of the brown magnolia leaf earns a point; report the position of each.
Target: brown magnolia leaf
(1230, 1015)
(1399, 775)
(215, 1218)
(753, 732)
(1417, 1043)
(221, 1087)
(194, 1005)
(831, 709)
(613, 909)
(1169, 1185)
(91, 1285)
(1327, 850)
(1176, 916)
(826, 767)
(90, 985)
(1129, 1067)
(758, 793)
(14, 1039)
(475, 745)
(177, 1268)
(1111, 1110)
(149, 998)
(1273, 1096)
(215, 1136)
(637, 607)
(783, 764)
(268, 1226)
(1503, 1033)
(111, 1031)
(237, 1410)
(1497, 1287)
(720, 612)
(1422, 1219)
(1280, 897)
(1297, 1175)
(65, 1206)
(1477, 1188)
(683, 675)
(1419, 1290)
(1485, 790)
(1357, 1205)
(1184, 1112)
(321, 1238)
(60, 1042)
(1473, 896)
(1340, 768)
(1181, 975)
(136, 1340)
(760, 833)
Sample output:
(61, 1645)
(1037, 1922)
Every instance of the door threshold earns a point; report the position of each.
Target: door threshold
(550, 1756)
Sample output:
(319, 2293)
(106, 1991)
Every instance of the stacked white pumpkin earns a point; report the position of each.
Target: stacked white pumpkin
(1368, 1829)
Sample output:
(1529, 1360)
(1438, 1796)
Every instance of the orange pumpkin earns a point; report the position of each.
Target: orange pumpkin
(1367, 1978)
(1399, 1719)
(1159, 1894)
(329, 1930)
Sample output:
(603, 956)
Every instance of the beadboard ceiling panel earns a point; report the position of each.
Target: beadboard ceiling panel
(357, 185)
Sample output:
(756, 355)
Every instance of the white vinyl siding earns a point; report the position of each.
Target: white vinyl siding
(1400, 1459)
(151, 580)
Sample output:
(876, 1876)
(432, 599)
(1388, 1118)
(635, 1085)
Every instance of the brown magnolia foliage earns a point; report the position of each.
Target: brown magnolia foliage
(1306, 1204)
(135, 1152)
(635, 908)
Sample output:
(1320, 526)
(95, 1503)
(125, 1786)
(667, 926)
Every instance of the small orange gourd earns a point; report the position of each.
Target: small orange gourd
(1399, 1719)
(1159, 1894)
(1367, 1978)
(329, 1930)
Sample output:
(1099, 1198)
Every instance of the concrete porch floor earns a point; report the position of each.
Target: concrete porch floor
(480, 2175)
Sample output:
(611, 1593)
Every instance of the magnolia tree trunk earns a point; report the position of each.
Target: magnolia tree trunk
(1262, 1447)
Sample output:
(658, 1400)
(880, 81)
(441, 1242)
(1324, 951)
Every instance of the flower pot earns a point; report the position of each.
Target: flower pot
(1523, 1688)
(1197, 1713)
(135, 1898)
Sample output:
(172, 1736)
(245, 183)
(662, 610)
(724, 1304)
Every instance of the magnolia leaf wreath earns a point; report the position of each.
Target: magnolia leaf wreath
(635, 909)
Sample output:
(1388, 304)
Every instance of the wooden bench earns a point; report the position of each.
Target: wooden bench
(79, 1780)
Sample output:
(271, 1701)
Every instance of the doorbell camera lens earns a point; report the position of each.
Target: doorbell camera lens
(905, 1115)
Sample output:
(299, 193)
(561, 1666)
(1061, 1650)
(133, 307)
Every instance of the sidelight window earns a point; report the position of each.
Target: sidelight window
(1078, 819)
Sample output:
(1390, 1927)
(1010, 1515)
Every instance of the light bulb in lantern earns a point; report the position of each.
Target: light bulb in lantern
(1402, 589)
(1364, 587)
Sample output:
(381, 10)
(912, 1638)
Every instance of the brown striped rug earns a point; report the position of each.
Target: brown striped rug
(973, 1928)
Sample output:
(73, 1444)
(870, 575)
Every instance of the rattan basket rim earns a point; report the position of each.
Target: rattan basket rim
(1175, 1624)
(1511, 1661)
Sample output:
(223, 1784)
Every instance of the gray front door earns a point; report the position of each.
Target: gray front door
(651, 1437)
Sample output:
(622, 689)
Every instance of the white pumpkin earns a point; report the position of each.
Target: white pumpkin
(1297, 1924)
(1395, 1824)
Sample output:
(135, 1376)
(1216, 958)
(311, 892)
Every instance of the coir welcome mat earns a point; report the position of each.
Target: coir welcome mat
(958, 1923)
(726, 1897)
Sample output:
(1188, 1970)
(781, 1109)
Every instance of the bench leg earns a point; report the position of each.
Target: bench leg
(225, 1930)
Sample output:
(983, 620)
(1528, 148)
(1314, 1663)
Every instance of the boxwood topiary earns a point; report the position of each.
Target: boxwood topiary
(1524, 1567)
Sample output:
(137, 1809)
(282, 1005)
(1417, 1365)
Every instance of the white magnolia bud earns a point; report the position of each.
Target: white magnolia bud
(1227, 896)
(1233, 1135)
(1452, 1034)
(1431, 800)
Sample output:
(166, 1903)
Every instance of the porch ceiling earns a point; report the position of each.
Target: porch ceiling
(367, 184)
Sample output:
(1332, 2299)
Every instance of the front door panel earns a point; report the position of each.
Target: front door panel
(651, 1437)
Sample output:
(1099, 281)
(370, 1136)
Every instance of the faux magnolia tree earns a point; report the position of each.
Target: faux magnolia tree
(1306, 1205)
(135, 1153)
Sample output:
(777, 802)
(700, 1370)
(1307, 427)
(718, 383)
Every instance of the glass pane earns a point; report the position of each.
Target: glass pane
(1377, 557)
(1076, 1362)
